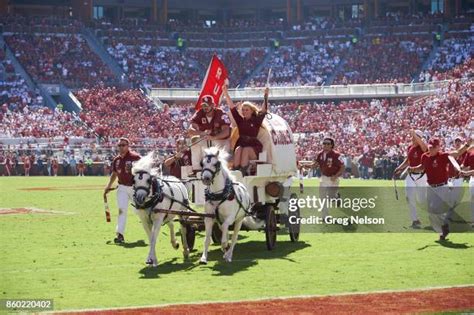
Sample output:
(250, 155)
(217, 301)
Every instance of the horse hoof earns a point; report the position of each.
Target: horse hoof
(176, 246)
(149, 262)
(225, 248)
(203, 262)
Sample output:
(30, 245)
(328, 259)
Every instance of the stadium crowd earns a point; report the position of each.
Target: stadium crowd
(302, 66)
(59, 58)
(114, 113)
(387, 59)
(23, 114)
(155, 67)
(57, 54)
(239, 62)
(453, 52)
(357, 125)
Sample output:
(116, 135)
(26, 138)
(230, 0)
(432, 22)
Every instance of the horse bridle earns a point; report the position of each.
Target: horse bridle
(217, 166)
(149, 181)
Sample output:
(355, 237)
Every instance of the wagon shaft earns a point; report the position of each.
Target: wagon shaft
(185, 213)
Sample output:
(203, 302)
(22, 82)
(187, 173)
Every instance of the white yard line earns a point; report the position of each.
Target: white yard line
(267, 298)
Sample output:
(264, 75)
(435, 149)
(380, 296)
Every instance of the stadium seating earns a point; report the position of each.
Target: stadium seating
(114, 113)
(59, 58)
(392, 48)
(22, 114)
(385, 59)
(155, 67)
(303, 65)
(239, 62)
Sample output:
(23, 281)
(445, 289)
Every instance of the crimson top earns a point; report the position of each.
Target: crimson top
(436, 167)
(414, 155)
(123, 167)
(469, 160)
(329, 163)
(248, 127)
(215, 124)
(175, 167)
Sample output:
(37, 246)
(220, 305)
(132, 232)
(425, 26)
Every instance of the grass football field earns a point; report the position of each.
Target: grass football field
(68, 255)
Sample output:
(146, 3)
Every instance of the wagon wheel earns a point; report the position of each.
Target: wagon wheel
(294, 229)
(190, 236)
(270, 227)
(216, 234)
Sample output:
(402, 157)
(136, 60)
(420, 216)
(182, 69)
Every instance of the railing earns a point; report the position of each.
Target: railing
(312, 92)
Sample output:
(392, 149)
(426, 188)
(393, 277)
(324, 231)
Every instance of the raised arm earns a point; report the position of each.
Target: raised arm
(461, 150)
(227, 97)
(419, 140)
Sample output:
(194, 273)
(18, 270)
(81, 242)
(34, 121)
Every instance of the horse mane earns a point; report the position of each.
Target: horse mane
(148, 164)
(223, 157)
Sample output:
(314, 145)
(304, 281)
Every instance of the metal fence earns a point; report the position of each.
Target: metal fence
(312, 92)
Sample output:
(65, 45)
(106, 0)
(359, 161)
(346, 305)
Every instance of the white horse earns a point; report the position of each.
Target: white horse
(226, 198)
(154, 192)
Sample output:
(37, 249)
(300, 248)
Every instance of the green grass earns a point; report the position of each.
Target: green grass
(69, 258)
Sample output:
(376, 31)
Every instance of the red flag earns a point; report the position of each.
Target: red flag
(215, 78)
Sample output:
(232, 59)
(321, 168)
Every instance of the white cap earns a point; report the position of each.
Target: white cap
(419, 133)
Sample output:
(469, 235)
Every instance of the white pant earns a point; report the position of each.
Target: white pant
(327, 189)
(415, 190)
(456, 189)
(439, 204)
(197, 150)
(455, 194)
(124, 197)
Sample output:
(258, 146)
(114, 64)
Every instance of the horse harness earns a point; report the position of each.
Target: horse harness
(158, 195)
(226, 194)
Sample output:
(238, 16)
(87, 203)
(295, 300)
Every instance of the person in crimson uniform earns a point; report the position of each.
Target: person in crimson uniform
(3, 162)
(181, 158)
(415, 183)
(247, 147)
(211, 124)
(468, 171)
(32, 163)
(435, 164)
(122, 169)
(55, 166)
(365, 164)
(81, 167)
(8, 165)
(331, 165)
(26, 165)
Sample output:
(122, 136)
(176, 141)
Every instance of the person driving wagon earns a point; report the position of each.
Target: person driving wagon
(211, 124)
